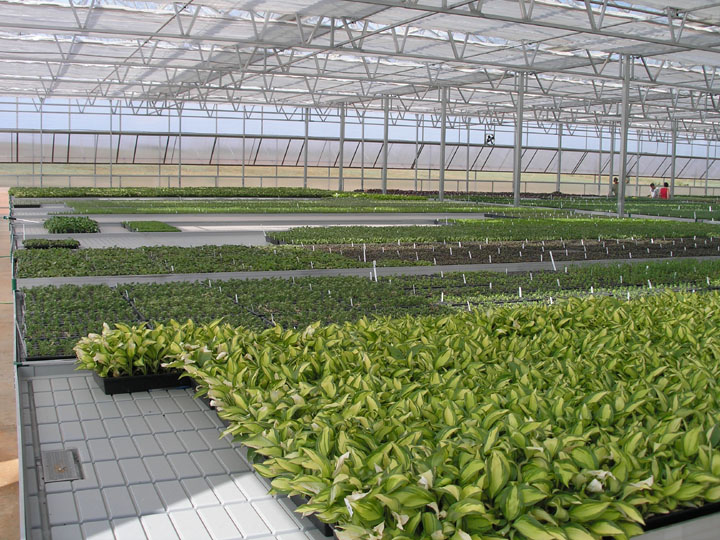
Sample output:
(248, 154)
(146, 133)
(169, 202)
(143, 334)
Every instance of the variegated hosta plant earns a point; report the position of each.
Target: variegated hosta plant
(139, 349)
(571, 421)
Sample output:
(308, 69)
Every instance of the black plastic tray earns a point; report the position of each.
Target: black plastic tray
(678, 516)
(139, 383)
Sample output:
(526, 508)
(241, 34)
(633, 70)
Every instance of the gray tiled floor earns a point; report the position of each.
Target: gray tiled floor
(154, 467)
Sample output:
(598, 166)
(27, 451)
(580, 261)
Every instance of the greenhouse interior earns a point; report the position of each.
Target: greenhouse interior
(360, 269)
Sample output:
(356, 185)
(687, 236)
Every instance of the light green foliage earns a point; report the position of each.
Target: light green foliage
(335, 204)
(149, 226)
(169, 259)
(500, 229)
(30, 192)
(67, 224)
(575, 420)
(684, 207)
(55, 317)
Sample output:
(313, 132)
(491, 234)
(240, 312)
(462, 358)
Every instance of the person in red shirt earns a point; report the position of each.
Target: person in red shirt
(665, 191)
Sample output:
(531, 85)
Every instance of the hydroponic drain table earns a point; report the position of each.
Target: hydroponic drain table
(154, 466)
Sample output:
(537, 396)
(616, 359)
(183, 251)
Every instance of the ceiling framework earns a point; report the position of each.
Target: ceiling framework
(330, 53)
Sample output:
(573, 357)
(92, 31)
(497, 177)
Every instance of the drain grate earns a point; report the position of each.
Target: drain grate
(61, 465)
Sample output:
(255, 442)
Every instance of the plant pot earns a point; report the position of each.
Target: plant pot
(139, 383)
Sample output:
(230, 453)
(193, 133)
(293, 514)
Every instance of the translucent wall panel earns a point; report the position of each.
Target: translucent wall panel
(401, 155)
(173, 150)
(61, 145)
(315, 150)
(7, 147)
(47, 147)
(572, 163)
(252, 145)
(228, 151)
(103, 149)
(139, 148)
(271, 151)
(197, 150)
(587, 162)
(693, 168)
(293, 154)
(349, 148)
(326, 157)
(655, 165)
(500, 159)
(150, 148)
(367, 154)
(82, 149)
(126, 148)
(458, 160)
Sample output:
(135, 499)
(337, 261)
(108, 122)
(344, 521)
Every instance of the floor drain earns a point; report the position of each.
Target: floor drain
(61, 465)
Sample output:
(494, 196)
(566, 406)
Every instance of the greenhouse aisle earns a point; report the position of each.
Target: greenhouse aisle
(9, 520)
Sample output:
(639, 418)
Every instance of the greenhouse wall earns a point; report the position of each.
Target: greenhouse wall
(136, 159)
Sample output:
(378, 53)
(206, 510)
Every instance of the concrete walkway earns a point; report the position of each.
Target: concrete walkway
(29, 283)
(9, 516)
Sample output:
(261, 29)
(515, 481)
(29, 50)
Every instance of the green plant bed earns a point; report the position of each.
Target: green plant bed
(149, 226)
(499, 229)
(340, 204)
(43, 243)
(37, 193)
(576, 420)
(67, 224)
(55, 317)
(169, 260)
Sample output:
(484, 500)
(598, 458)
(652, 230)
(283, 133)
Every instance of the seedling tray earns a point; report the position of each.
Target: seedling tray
(139, 383)
(678, 516)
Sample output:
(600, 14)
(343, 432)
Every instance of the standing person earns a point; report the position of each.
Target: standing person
(614, 187)
(665, 191)
(654, 191)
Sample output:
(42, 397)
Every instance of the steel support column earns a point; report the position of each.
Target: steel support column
(467, 160)
(707, 168)
(611, 170)
(624, 122)
(243, 149)
(559, 156)
(417, 157)
(110, 152)
(305, 148)
(41, 143)
(386, 130)
(179, 147)
(443, 134)
(362, 152)
(517, 155)
(600, 152)
(673, 158)
(637, 166)
(341, 157)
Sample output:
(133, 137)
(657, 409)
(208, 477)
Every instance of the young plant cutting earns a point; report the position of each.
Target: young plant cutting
(54, 318)
(581, 419)
(67, 224)
(149, 226)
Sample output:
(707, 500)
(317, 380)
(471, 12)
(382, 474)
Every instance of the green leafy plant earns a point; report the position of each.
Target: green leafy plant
(43, 243)
(54, 318)
(149, 226)
(576, 420)
(215, 192)
(126, 351)
(68, 224)
(499, 229)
